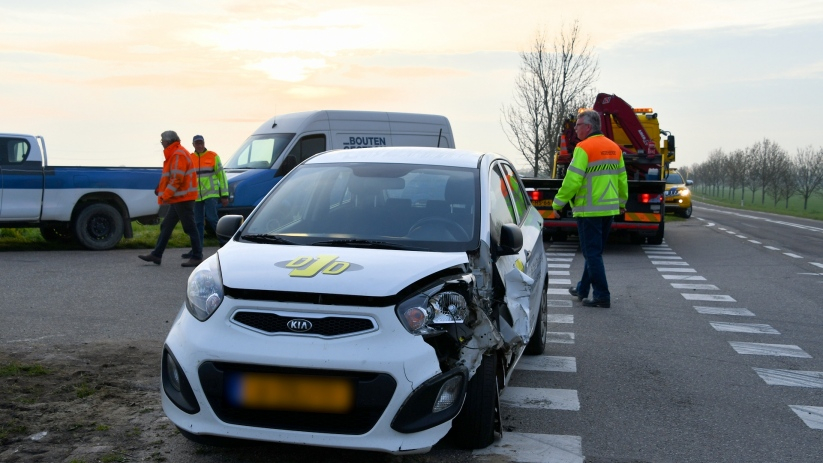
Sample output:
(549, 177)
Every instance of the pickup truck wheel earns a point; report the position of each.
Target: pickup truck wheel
(56, 233)
(98, 226)
(473, 428)
(537, 343)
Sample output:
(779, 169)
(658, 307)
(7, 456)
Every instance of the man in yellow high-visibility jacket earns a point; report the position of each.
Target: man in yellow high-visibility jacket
(212, 187)
(597, 187)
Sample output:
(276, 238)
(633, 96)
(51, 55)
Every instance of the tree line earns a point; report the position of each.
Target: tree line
(763, 167)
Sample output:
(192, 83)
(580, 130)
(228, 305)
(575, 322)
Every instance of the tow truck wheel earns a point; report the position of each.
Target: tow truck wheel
(658, 237)
(98, 226)
(537, 343)
(473, 428)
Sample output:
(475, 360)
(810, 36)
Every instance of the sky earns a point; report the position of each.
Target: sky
(100, 80)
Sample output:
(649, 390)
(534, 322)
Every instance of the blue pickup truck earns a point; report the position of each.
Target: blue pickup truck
(92, 205)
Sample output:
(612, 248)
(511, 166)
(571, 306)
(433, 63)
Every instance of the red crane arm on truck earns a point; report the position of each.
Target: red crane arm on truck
(612, 106)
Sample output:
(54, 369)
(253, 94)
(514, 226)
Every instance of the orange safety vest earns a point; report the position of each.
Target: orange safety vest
(179, 180)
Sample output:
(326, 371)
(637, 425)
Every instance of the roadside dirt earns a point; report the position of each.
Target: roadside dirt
(100, 402)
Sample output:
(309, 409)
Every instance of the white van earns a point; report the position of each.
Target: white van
(284, 141)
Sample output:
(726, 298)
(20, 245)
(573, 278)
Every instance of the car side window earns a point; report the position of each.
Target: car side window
(518, 193)
(502, 209)
(305, 148)
(13, 151)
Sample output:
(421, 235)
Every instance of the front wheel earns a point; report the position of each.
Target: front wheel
(685, 213)
(473, 428)
(98, 226)
(537, 342)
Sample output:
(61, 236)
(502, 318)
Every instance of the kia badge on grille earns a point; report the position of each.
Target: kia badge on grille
(299, 325)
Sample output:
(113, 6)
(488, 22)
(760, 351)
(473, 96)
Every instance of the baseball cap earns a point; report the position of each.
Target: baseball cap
(198, 138)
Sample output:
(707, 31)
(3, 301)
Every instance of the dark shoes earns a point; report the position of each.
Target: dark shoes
(186, 255)
(151, 258)
(192, 262)
(593, 303)
(573, 292)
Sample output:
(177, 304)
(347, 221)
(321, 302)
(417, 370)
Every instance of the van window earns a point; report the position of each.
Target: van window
(259, 151)
(305, 148)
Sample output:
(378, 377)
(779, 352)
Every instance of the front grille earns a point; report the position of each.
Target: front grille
(373, 392)
(326, 326)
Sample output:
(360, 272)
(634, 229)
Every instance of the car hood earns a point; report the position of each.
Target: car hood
(330, 270)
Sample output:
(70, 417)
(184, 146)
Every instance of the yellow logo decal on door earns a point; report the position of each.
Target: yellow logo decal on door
(308, 267)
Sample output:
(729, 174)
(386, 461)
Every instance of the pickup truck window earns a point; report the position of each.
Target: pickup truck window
(13, 150)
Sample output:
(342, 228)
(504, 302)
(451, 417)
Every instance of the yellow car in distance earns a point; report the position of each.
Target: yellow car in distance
(678, 195)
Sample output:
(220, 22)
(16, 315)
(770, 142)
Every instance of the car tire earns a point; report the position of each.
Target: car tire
(537, 342)
(473, 428)
(56, 233)
(658, 237)
(98, 226)
(685, 213)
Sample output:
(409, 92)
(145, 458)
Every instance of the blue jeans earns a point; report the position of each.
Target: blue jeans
(182, 212)
(205, 212)
(594, 232)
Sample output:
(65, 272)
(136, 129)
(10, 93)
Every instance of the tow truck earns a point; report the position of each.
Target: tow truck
(647, 160)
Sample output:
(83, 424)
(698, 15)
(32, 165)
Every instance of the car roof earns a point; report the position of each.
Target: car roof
(402, 155)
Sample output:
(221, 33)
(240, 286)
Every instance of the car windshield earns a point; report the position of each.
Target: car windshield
(674, 177)
(387, 206)
(259, 151)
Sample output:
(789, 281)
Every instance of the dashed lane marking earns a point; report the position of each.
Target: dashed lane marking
(560, 337)
(813, 379)
(755, 328)
(654, 256)
(558, 303)
(536, 448)
(558, 265)
(560, 318)
(560, 254)
(793, 255)
(548, 363)
(755, 242)
(667, 262)
(559, 259)
(812, 416)
(684, 277)
(708, 297)
(775, 350)
(560, 281)
(557, 291)
(737, 312)
(816, 264)
(558, 272)
(772, 248)
(540, 397)
(681, 270)
(707, 287)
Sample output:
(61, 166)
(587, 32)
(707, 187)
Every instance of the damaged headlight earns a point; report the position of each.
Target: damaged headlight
(204, 293)
(418, 312)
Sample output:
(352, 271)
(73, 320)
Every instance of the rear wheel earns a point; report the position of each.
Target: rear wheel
(98, 226)
(537, 343)
(658, 237)
(473, 428)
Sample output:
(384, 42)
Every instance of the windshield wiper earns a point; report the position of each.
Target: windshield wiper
(265, 238)
(361, 243)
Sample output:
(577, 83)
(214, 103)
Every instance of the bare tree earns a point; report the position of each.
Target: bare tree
(809, 169)
(736, 167)
(777, 167)
(553, 83)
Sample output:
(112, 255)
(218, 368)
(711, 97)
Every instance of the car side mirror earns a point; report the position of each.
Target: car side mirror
(689, 182)
(511, 240)
(228, 225)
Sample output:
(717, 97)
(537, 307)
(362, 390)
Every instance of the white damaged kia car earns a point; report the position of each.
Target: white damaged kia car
(376, 299)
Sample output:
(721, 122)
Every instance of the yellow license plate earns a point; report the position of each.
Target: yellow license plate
(542, 203)
(318, 394)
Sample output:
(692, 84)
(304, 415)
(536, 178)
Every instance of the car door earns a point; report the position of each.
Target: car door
(508, 204)
(21, 180)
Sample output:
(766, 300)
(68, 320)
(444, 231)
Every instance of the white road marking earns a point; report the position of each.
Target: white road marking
(560, 318)
(684, 277)
(559, 254)
(708, 297)
(740, 236)
(558, 272)
(559, 337)
(556, 303)
(776, 350)
(536, 448)
(540, 397)
(558, 265)
(772, 248)
(812, 416)
(682, 270)
(559, 259)
(654, 256)
(792, 255)
(667, 262)
(548, 363)
(737, 312)
(730, 232)
(755, 328)
(793, 378)
(694, 286)
(556, 291)
(816, 264)
(559, 281)
(755, 242)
